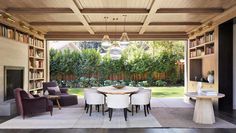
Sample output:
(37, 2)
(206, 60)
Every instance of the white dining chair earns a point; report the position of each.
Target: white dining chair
(88, 90)
(117, 101)
(94, 98)
(142, 98)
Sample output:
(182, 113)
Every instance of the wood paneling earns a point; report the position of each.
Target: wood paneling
(38, 10)
(55, 23)
(190, 10)
(175, 23)
(137, 11)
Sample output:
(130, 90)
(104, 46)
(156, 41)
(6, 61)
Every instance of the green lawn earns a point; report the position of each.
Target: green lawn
(159, 92)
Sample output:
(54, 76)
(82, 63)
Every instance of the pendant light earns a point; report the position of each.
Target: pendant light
(115, 51)
(106, 41)
(124, 39)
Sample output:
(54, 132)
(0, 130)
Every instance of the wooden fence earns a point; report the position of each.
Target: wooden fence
(136, 77)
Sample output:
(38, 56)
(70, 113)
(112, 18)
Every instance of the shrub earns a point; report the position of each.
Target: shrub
(161, 83)
(107, 83)
(93, 82)
(145, 83)
(84, 82)
(132, 83)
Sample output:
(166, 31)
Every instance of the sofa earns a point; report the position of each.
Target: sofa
(65, 98)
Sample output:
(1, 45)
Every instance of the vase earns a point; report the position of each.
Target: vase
(210, 78)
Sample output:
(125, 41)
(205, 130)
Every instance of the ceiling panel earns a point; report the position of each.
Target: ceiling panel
(116, 3)
(181, 17)
(62, 28)
(49, 17)
(129, 18)
(116, 28)
(195, 3)
(168, 28)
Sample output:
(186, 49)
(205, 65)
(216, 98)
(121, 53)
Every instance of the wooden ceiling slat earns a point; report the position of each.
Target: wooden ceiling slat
(114, 10)
(56, 23)
(190, 10)
(38, 10)
(174, 23)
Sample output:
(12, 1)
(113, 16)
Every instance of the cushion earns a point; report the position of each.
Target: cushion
(56, 89)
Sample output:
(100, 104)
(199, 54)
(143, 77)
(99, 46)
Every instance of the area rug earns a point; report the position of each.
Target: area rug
(183, 117)
(77, 118)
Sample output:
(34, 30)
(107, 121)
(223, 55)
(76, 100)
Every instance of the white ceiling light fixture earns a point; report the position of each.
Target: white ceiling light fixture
(106, 41)
(124, 39)
(115, 50)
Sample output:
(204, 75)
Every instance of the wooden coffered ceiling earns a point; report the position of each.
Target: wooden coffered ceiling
(146, 19)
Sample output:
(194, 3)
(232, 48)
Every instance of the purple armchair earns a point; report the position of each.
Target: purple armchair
(29, 105)
(65, 98)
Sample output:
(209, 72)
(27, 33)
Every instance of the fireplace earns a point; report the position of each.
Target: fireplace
(14, 78)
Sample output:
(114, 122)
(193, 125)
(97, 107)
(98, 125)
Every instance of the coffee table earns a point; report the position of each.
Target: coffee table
(203, 110)
(56, 98)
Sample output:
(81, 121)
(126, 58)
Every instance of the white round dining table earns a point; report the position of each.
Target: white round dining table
(113, 90)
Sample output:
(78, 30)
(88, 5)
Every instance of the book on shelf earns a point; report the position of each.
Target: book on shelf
(38, 84)
(39, 64)
(39, 54)
(209, 92)
(7, 32)
(38, 43)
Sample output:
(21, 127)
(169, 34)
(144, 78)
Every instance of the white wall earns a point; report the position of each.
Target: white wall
(234, 68)
(12, 53)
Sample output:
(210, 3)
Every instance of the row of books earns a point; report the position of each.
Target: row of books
(210, 50)
(39, 64)
(209, 37)
(6, 32)
(36, 84)
(11, 33)
(35, 75)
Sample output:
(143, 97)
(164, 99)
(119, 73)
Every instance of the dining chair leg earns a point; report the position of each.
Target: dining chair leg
(98, 108)
(132, 109)
(102, 109)
(87, 108)
(125, 113)
(90, 111)
(85, 105)
(145, 113)
(111, 112)
(136, 107)
(147, 108)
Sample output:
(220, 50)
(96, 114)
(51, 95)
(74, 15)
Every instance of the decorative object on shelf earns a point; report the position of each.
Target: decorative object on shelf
(106, 41)
(124, 39)
(210, 77)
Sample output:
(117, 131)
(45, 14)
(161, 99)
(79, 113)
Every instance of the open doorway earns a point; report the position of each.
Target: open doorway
(158, 65)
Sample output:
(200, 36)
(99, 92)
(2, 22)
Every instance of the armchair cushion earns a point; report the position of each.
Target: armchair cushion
(54, 90)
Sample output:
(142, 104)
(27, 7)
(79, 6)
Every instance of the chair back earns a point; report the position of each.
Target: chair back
(48, 84)
(94, 98)
(117, 101)
(140, 98)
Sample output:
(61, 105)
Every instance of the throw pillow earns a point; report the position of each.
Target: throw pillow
(56, 89)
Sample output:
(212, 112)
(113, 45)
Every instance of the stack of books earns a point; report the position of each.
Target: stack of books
(209, 92)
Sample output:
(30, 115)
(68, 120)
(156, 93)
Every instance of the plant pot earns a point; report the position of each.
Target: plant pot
(210, 79)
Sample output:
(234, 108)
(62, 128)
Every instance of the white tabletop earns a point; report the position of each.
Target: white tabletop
(113, 90)
(196, 95)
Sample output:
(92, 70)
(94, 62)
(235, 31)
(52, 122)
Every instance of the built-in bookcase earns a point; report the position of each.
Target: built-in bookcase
(36, 55)
(202, 58)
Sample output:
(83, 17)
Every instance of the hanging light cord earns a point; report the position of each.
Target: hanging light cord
(124, 21)
(106, 23)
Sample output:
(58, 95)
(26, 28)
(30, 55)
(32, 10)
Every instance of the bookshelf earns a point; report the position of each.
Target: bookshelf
(36, 54)
(202, 58)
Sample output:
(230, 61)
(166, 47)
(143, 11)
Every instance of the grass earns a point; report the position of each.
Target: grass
(159, 92)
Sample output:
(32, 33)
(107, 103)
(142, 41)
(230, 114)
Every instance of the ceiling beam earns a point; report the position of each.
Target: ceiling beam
(173, 23)
(149, 17)
(190, 10)
(56, 23)
(115, 36)
(75, 8)
(136, 11)
(38, 10)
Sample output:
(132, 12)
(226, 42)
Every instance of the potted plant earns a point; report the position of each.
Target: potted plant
(210, 76)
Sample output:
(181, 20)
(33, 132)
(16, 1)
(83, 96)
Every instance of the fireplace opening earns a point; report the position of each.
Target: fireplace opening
(14, 78)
